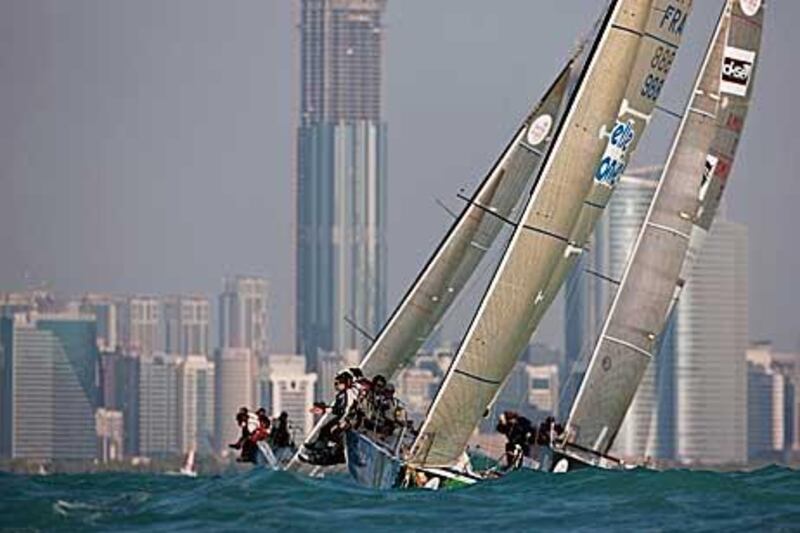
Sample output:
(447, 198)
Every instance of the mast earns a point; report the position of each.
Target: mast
(589, 151)
(679, 216)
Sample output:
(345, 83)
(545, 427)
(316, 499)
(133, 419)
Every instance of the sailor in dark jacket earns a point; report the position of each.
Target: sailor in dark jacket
(519, 433)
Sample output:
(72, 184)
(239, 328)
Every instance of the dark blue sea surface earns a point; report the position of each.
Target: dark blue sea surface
(678, 500)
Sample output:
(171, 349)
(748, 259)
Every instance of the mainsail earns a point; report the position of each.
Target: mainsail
(679, 216)
(455, 260)
(589, 151)
(654, 61)
(458, 255)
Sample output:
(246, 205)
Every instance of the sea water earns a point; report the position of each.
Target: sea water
(677, 500)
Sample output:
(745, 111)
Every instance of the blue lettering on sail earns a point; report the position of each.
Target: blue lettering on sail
(613, 162)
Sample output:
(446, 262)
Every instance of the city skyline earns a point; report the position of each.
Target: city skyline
(169, 193)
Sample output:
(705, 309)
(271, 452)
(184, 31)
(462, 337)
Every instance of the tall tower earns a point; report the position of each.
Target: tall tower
(243, 314)
(710, 369)
(141, 325)
(186, 325)
(48, 386)
(341, 176)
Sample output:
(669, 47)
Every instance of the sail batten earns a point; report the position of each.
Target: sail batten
(680, 214)
(591, 145)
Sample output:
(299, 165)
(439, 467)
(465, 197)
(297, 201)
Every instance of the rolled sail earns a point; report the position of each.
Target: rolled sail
(681, 212)
(509, 312)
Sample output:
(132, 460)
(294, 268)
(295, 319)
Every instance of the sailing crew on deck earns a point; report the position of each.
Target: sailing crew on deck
(519, 433)
(342, 409)
(280, 436)
(391, 413)
(369, 402)
(263, 429)
(548, 431)
(248, 422)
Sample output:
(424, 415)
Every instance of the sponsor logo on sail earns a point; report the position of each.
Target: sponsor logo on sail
(750, 7)
(736, 69)
(705, 182)
(539, 129)
(613, 162)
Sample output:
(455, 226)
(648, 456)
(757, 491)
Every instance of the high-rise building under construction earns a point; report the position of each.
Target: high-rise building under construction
(341, 176)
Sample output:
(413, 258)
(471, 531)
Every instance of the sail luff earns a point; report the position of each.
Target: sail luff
(507, 314)
(654, 274)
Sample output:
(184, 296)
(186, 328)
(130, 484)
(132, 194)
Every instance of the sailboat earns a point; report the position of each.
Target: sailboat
(604, 115)
(457, 257)
(679, 217)
(188, 469)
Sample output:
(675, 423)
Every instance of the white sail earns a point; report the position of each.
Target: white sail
(460, 252)
(680, 214)
(657, 52)
(588, 155)
(457, 257)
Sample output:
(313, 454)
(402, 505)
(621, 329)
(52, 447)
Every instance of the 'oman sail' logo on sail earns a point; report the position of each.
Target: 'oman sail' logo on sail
(613, 162)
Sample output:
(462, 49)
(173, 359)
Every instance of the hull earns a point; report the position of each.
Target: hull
(374, 465)
(562, 460)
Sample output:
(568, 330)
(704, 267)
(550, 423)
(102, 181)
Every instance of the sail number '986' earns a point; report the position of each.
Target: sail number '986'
(660, 63)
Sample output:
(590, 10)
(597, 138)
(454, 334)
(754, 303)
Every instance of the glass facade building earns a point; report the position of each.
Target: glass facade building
(50, 386)
(341, 176)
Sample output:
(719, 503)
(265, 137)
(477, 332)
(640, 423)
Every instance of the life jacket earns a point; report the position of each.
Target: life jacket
(252, 422)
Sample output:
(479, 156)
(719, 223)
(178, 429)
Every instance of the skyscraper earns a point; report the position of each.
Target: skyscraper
(49, 389)
(233, 371)
(195, 403)
(292, 391)
(158, 405)
(106, 310)
(710, 370)
(243, 314)
(186, 323)
(141, 324)
(341, 176)
(766, 408)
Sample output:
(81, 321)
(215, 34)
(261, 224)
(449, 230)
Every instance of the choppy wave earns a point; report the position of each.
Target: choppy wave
(766, 499)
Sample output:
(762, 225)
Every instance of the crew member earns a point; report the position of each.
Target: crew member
(280, 436)
(519, 436)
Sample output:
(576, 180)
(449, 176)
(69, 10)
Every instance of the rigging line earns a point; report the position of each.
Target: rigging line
(602, 276)
(486, 209)
(447, 209)
(547, 233)
(669, 112)
(358, 328)
(477, 377)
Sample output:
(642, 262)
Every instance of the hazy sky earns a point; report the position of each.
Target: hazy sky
(148, 145)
